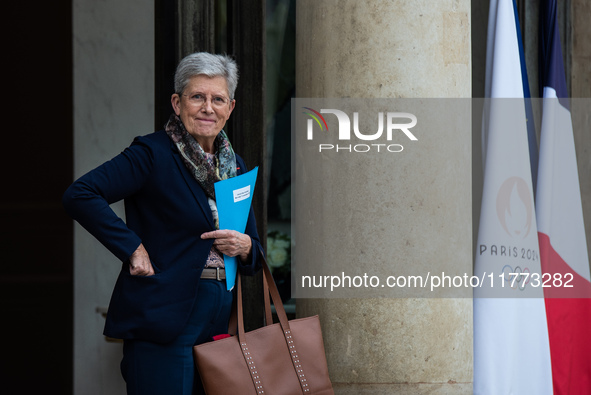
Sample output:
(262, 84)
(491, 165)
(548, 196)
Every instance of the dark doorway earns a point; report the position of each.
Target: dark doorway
(36, 167)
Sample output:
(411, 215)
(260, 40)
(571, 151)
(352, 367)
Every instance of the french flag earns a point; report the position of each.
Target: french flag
(561, 232)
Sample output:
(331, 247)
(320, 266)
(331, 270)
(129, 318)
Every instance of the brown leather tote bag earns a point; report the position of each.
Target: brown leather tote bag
(286, 358)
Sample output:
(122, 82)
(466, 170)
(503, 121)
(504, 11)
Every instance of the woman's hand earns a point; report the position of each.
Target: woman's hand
(139, 263)
(230, 242)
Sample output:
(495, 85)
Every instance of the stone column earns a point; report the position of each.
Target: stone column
(580, 84)
(396, 49)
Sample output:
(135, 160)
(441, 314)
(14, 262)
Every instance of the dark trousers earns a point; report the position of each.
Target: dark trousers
(168, 369)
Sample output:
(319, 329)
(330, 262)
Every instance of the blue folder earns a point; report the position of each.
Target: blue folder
(233, 198)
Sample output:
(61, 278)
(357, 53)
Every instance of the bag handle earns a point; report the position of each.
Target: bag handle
(267, 302)
(233, 321)
(269, 287)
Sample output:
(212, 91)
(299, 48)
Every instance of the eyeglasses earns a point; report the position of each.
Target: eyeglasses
(199, 99)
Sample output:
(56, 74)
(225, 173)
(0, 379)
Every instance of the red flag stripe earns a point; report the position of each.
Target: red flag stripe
(569, 322)
(559, 279)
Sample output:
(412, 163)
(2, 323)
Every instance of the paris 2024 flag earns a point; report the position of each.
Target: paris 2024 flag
(561, 231)
(511, 350)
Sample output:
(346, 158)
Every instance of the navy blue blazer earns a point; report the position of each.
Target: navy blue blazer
(167, 211)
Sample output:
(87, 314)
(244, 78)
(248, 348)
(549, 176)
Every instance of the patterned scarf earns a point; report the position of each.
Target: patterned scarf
(205, 168)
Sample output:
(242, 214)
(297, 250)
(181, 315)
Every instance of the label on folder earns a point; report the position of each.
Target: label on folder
(233, 198)
(241, 193)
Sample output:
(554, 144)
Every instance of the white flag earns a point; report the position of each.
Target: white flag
(511, 352)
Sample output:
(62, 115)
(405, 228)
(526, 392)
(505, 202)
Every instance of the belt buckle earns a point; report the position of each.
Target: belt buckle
(217, 274)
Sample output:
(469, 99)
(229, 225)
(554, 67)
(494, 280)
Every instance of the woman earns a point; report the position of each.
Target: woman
(171, 293)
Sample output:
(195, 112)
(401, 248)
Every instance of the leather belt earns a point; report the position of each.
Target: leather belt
(214, 274)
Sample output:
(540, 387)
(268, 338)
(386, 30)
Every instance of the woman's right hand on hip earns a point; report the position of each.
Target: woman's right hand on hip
(139, 263)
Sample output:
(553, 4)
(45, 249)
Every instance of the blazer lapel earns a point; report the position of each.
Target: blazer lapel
(193, 185)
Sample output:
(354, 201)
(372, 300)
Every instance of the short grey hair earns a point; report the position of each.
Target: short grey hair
(207, 64)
